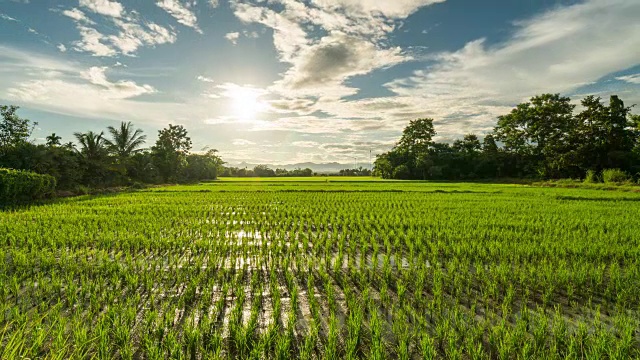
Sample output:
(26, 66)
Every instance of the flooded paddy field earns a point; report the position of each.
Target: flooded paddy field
(325, 269)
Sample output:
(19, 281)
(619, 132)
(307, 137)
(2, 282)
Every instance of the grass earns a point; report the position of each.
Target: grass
(309, 268)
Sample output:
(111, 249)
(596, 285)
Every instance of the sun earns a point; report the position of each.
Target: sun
(245, 102)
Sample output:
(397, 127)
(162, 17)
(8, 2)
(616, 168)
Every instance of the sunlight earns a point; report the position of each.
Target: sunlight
(245, 101)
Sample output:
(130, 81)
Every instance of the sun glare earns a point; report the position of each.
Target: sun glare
(245, 102)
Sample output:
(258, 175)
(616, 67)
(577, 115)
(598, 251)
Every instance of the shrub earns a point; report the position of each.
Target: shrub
(19, 186)
(614, 176)
(592, 177)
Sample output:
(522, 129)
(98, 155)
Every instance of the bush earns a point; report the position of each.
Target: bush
(19, 186)
(592, 177)
(614, 176)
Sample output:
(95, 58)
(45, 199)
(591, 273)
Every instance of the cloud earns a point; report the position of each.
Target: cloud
(232, 37)
(213, 3)
(322, 68)
(122, 89)
(103, 7)
(205, 79)
(242, 142)
(91, 41)
(353, 42)
(305, 144)
(559, 50)
(299, 105)
(77, 15)
(131, 33)
(392, 9)
(62, 48)
(236, 91)
(39, 82)
(182, 14)
(7, 17)
(632, 79)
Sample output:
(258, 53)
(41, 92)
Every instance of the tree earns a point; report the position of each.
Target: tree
(606, 135)
(539, 131)
(382, 166)
(94, 158)
(203, 166)
(92, 145)
(125, 141)
(402, 172)
(468, 145)
(417, 137)
(170, 152)
(53, 140)
(263, 171)
(489, 145)
(14, 130)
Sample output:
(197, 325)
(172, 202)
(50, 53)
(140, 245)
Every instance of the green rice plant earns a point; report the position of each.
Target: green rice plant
(254, 270)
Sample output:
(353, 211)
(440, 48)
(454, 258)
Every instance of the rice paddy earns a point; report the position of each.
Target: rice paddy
(325, 269)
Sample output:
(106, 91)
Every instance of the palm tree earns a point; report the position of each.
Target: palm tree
(125, 141)
(53, 140)
(92, 145)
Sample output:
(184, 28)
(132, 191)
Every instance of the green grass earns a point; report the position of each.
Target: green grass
(345, 268)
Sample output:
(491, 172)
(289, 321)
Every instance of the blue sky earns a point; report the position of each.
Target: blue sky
(285, 81)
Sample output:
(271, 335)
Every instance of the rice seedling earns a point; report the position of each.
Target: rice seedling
(324, 270)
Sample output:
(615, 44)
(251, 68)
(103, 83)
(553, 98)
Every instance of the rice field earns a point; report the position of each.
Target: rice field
(324, 269)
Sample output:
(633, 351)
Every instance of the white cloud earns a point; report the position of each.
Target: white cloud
(632, 79)
(242, 142)
(122, 89)
(232, 37)
(213, 3)
(392, 9)
(62, 48)
(557, 51)
(235, 91)
(91, 41)
(322, 68)
(354, 43)
(205, 79)
(305, 144)
(131, 34)
(77, 15)
(40, 82)
(7, 17)
(103, 7)
(182, 14)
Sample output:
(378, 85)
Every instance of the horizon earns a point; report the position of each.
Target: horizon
(321, 79)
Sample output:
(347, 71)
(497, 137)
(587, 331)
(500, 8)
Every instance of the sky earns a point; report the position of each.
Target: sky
(286, 81)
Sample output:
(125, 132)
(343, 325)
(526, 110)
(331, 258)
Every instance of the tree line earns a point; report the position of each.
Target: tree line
(98, 159)
(543, 138)
(265, 171)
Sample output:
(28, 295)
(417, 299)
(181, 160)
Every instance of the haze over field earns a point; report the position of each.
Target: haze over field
(288, 81)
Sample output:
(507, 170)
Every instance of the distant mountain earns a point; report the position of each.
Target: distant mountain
(319, 168)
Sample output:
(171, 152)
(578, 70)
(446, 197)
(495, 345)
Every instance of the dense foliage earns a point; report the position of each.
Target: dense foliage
(354, 172)
(282, 269)
(98, 160)
(18, 186)
(542, 138)
(265, 171)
